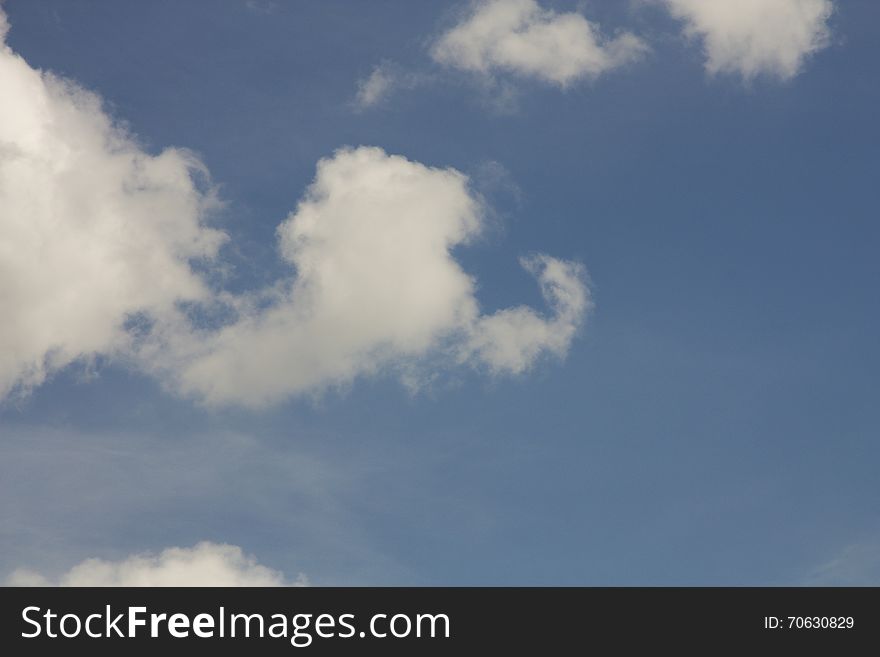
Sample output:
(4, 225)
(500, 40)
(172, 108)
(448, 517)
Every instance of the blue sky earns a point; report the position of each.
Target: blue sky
(713, 419)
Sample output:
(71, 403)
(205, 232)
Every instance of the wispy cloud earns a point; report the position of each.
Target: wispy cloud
(383, 81)
(857, 564)
(265, 7)
(77, 495)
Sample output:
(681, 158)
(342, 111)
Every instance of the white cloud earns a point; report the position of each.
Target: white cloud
(376, 87)
(97, 235)
(376, 288)
(521, 37)
(80, 494)
(384, 80)
(92, 228)
(754, 37)
(511, 339)
(205, 564)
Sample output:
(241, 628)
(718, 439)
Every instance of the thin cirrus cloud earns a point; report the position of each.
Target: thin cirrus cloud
(98, 241)
(205, 564)
(521, 37)
(857, 564)
(756, 37)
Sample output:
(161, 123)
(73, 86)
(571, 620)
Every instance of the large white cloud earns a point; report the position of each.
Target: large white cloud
(521, 37)
(376, 287)
(754, 37)
(98, 240)
(205, 564)
(92, 229)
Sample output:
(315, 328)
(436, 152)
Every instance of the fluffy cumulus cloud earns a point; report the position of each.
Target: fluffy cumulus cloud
(98, 241)
(521, 37)
(206, 564)
(93, 230)
(755, 37)
(511, 339)
(376, 287)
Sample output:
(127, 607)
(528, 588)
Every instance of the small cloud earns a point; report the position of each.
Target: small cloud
(520, 37)
(493, 177)
(756, 37)
(376, 87)
(262, 6)
(384, 80)
(4, 26)
(205, 564)
(510, 340)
